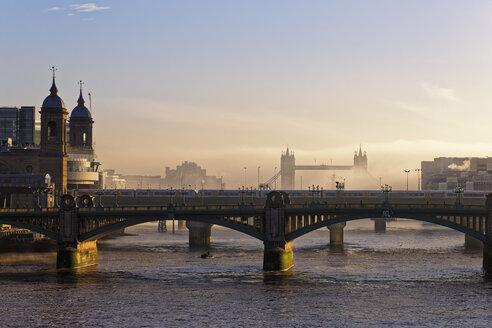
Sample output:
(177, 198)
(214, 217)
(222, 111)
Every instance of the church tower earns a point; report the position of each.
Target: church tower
(81, 125)
(288, 170)
(53, 152)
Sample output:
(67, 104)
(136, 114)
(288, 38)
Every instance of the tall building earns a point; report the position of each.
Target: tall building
(21, 125)
(29, 126)
(190, 175)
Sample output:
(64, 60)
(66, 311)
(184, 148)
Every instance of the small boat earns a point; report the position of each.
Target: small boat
(206, 255)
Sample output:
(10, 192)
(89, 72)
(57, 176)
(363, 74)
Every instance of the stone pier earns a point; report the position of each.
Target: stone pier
(161, 226)
(199, 234)
(72, 253)
(487, 245)
(380, 225)
(278, 254)
(472, 243)
(336, 233)
(77, 256)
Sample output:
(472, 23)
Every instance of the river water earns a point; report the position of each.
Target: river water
(414, 275)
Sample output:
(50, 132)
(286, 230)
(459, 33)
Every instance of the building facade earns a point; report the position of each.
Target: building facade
(189, 175)
(21, 125)
(69, 166)
(446, 173)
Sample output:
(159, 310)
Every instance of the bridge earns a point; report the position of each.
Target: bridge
(277, 223)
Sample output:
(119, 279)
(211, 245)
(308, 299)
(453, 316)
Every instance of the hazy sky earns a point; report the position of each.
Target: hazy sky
(229, 84)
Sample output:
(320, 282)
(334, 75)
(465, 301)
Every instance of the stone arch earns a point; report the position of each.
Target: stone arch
(298, 233)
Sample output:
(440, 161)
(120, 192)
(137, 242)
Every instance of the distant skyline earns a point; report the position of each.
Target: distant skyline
(230, 84)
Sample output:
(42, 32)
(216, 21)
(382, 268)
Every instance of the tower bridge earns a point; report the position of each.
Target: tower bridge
(277, 223)
(288, 168)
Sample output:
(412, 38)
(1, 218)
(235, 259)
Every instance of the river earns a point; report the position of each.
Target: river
(414, 275)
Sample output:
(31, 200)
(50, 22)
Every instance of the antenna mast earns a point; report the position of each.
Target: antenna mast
(93, 131)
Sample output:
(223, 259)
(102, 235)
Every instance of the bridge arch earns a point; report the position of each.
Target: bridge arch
(298, 233)
(105, 230)
(34, 228)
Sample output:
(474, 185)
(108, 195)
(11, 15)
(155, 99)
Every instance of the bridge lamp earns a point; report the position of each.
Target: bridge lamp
(458, 191)
(407, 171)
(386, 190)
(418, 178)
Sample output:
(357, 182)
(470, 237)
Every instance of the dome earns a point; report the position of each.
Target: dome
(53, 100)
(80, 111)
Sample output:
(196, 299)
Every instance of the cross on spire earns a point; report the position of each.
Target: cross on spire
(53, 69)
(81, 100)
(53, 89)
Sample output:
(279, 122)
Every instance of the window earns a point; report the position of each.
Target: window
(51, 131)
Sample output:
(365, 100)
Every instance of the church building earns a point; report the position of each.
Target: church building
(70, 164)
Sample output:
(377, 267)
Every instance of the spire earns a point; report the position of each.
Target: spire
(53, 88)
(81, 100)
(360, 149)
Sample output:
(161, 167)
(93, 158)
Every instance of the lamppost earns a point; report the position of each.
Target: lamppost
(99, 193)
(274, 174)
(458, 191)
(386, 190)
(259, 177)
(418, 178)
(245, 176)
(407, 171)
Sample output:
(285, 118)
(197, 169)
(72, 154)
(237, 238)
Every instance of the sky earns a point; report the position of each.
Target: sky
(229, 84)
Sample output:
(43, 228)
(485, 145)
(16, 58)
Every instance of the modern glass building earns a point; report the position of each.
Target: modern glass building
(22, 125)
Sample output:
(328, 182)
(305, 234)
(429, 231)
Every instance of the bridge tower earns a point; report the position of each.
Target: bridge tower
(288, 170)
(360, 161)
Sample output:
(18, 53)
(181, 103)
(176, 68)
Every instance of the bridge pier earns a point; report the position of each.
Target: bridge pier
(72, 253)
(77, 256)
(278, 257)
(161, 226)
(487, 245)
(472, 243)
(336, 233)
(278, 253)
(487, 257)
(199, 234)
(380, 225)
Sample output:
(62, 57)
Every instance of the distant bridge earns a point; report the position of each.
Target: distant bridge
(277, 223)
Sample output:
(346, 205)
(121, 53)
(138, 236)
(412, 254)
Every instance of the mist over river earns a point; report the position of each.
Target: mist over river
(414, 275)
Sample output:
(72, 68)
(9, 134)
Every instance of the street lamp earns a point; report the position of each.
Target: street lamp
(407, 171)
(274, 174)
(259, 177)
(458, 191)
(386, 190)
(418, 178)
(245, 176)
